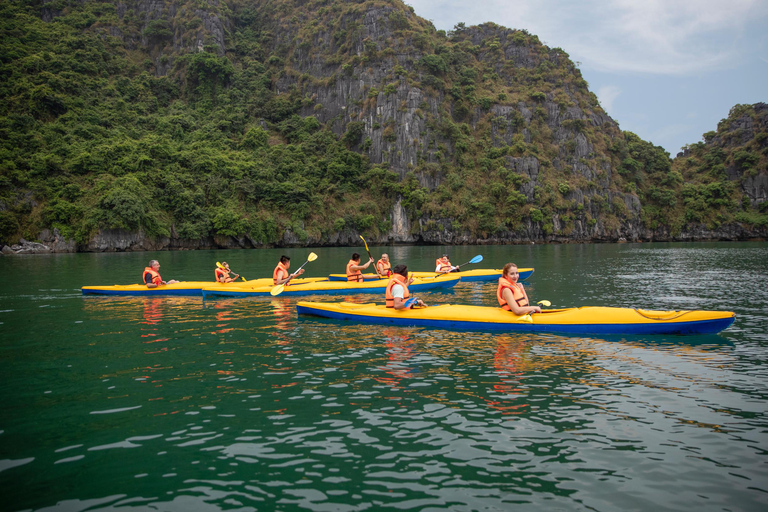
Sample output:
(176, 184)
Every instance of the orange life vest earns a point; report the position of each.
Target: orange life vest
(354, 275)
(156, 279)
(442, 266)
(395, 279)
(384, 268)
(220, 274)
(517, 294)
(280, 272)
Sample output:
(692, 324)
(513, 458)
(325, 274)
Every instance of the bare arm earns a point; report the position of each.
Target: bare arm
(516, 309)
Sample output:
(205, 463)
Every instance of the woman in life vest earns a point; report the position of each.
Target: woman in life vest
(443, 265)
(511, 294)
(396, 294)
(151, 276)
(280, 275)
(354, 267)
(383, 266)
(222, 273)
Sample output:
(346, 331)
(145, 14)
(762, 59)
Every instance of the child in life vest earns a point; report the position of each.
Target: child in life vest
(511, 294)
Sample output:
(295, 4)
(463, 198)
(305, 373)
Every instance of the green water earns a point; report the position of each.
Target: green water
(116, 403)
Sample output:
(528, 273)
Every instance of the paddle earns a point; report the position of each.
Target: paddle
(411, 302)
(277, 290)
(224, 268)
(476, 259)
(371, 257)
(527, 317)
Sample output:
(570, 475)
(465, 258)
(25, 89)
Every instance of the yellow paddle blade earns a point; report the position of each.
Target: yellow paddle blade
(544, 302)
(312, 257)
(526, 318)
(219, 265)
(366, 243)
(277, 290)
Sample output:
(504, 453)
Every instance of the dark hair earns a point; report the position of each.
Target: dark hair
(401, 269)
(355, 256)
(284, 259)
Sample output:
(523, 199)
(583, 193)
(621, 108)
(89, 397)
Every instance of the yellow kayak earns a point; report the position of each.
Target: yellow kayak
(478, 274)
(182, 288)
(583, 320)
(328, 287)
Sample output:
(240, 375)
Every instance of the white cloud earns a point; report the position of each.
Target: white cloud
(606, 95)
(670, 37)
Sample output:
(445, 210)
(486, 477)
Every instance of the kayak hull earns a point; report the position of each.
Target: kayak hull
(186, 288)
(584, 320)
(480, 274)
(329, 288)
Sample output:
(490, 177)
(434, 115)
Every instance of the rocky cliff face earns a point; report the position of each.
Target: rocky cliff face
(483, 122)
(746, 131)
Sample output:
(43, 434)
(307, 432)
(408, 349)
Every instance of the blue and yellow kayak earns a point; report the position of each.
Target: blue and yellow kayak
(189, 288)
(479, 274)
(328, 288)
(583, 320)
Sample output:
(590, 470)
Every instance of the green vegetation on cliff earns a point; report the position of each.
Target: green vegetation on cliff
(191, 120)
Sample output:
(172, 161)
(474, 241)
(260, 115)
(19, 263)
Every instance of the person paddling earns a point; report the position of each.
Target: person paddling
(511, 294)
(396, 294)
(223, 273)
(354, 268)
(280, 275)
(443, 265)
(151, 276)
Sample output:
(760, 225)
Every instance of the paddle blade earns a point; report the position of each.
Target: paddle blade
(526, 318)
(544, 302)
(219, 265)
(312, 257)
(366, 243)
(277, 290)
(477, 259)
(244, 279)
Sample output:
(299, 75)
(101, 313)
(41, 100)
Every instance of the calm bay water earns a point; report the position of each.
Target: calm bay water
(236, 404)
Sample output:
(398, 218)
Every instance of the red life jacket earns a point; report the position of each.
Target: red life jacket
(384, 268)
(389, 300)
(441, 266)
(280, 272)
(517, 294)
(156, 279)
(354, 275)
(220, 274)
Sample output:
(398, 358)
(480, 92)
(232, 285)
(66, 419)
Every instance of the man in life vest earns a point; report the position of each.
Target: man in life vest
(222, 273)
(354, 267)
(383, 266)
(280, 275)
(151, 276)
(396, 294)
(443, 265)
(511, 294)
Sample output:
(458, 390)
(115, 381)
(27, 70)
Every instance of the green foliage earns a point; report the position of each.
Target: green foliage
(433, 64)
(354, 133)
(98, 132)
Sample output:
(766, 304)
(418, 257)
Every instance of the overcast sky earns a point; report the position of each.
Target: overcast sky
(667, 70)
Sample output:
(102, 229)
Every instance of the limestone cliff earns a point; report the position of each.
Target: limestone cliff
(212, 124)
